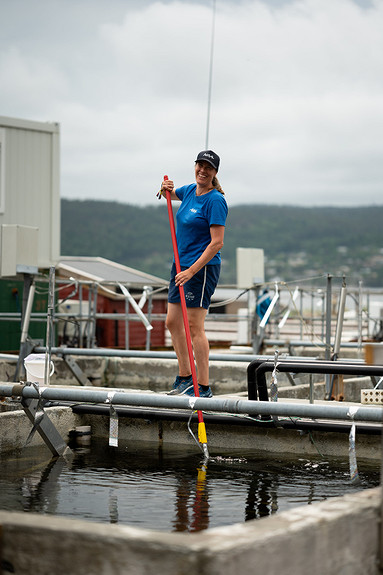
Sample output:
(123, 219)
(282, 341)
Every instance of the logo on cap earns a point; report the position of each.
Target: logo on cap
(209, 156)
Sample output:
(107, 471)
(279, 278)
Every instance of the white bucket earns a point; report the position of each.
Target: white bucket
(35, 367)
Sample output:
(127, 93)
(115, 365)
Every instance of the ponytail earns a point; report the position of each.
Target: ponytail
(217, 185)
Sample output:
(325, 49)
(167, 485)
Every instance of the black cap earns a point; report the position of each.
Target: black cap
(210, 157)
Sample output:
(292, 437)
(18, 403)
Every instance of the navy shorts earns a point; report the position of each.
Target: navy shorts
(199, 289)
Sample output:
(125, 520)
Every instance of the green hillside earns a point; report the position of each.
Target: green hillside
(298, 242)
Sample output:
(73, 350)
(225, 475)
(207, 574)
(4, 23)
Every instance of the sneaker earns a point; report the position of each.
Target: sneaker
(202, 392)
(181, 384)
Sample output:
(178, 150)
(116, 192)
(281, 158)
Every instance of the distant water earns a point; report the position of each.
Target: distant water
(169, 490)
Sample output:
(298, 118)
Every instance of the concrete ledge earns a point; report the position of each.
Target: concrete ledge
(222, 436)
(338, 536)
(236, 439)
(15, 427)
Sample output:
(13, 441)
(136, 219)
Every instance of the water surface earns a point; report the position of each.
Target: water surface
(172, 489)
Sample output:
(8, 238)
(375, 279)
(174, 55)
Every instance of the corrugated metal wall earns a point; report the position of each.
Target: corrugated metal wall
(31, 181)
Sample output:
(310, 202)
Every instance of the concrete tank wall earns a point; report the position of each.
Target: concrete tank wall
(336, 537)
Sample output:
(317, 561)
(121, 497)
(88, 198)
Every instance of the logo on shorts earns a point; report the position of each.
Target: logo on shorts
(189, 296)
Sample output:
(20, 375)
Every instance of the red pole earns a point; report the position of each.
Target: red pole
(201, 426)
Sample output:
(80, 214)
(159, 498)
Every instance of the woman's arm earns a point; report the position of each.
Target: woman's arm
(217, 234)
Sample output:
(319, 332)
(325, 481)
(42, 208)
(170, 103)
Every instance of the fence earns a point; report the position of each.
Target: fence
(305, 317)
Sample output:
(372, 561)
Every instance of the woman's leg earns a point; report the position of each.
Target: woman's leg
(175, 324)
(196, 316)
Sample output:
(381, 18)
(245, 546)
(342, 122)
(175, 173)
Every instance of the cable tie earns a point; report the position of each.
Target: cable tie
(111, 394)
(192, 402)
(352, 412)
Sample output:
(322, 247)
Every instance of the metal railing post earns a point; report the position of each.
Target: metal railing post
(149, 315)
(328, 331)
(360, 318)
(50, 330)
(127, 323)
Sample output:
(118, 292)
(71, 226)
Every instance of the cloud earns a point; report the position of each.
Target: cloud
(296, 95)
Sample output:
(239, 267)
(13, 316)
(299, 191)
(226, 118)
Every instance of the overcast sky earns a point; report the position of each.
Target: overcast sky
(296, 101)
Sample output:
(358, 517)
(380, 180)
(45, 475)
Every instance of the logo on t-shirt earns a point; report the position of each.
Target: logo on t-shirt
(193, 210)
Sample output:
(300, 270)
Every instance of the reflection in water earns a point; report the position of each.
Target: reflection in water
(262, 499)
(169, 490)
(40, 488)
(196, 491)
(113, 507)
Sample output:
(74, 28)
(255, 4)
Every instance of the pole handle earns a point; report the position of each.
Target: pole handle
(183, 301)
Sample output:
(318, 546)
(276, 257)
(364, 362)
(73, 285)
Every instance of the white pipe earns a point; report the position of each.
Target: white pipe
(136, 308)
(270, 308)
(144, 297)
(292, 300)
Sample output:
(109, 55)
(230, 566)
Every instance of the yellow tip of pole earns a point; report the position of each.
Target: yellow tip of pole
(202, 438)
(201, 475)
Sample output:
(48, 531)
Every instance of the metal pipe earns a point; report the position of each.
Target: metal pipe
(27, 313)
(306, 343)
(224, 419)
(360, 317)
(49, 332)
(223, 405)
(28, 296)
(149, 291)
(80, 299)
(256, 378)
(106, 352)
(127, 324)
(339, 323)
(327, 352)
(95, 295)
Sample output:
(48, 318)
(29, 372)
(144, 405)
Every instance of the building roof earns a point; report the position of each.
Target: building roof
(102, 270)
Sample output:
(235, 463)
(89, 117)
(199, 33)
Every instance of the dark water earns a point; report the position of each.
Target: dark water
(170, 490)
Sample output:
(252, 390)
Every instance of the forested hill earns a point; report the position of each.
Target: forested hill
(298, 242)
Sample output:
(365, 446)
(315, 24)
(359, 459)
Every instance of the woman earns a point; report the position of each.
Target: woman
(201, 222)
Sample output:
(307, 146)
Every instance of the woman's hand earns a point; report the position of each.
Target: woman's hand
(166, 186)
(183, 277)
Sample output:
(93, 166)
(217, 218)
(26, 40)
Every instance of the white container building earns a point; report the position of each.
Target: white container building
(29, 195)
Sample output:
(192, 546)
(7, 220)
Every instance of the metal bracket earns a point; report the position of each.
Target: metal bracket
(44, 426)
(76, 370)
(290, 378)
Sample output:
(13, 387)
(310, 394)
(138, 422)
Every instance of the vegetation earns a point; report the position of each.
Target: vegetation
(297, 242)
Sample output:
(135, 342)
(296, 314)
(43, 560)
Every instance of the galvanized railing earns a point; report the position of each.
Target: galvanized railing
(312, 320)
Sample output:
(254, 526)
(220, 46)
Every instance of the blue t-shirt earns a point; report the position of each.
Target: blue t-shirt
(194, 218)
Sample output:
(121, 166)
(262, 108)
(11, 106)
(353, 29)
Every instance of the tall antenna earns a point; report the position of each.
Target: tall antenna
(210, 78)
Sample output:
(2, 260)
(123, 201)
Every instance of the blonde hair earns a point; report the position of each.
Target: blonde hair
(217, 185)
